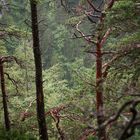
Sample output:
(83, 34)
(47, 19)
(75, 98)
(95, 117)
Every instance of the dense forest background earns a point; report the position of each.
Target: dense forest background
(69, 33)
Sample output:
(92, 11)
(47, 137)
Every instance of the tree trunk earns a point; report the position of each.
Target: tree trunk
(99, 93)
(4, 96)
(38, 69)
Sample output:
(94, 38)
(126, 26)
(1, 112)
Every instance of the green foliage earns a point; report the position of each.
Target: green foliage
(3, 50)
(75, 20)
(15, 135)
(127, 39)
(68, 73)
(124, 17)
(55, 86)
(137, 135)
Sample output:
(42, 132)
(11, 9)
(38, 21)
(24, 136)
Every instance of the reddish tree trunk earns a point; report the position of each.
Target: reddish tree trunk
(38, 69)
(99, 93)
(4, 96)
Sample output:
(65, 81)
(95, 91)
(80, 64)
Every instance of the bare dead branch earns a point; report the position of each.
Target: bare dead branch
(92, 15)
(75, 36)
(55, 114)
(26, 114)
(105, 37)
(88, 39)
(109, 52)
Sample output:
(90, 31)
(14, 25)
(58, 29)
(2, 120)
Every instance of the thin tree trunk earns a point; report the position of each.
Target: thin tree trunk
(4, 96)
(99, 93)
(38, 69)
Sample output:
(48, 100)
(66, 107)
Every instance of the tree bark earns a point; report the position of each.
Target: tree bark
(4, 97)
(38, 76)
(99, 93)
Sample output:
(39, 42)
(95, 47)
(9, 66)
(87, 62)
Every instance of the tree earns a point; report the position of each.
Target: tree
(38, 76)
(100, 40)
(4, 59)
(97, 15)
(4, 95)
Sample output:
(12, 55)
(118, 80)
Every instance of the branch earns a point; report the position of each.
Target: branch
(90, 14)
(88, 39)
(110, 4)
(109, 52)
(63, 5)
(131, 126)
(14, 82)
(118, 55)
(4, 34)
(115, 117)
(103, 53)
(25, 114)
(4, 59)
(81, 36)
(7, 59)
(84, 80)
(93, 6)
(128, 131)
(87, 133)
(105, 37)
(107, 66)
(55, 114)
(92, 52)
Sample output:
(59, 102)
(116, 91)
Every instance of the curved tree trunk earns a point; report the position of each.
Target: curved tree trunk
(38, 69)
